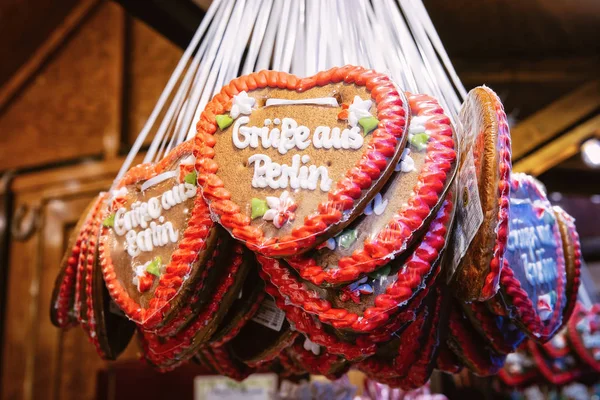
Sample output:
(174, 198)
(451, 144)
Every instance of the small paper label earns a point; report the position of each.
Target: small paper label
(469, 214)
(269, 315)
(255, 387)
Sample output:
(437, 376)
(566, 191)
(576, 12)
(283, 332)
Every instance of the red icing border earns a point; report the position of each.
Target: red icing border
(348, 191)
(325, 364)
(90, 325)
(399, 231)
(65, 300)
(409, 282)
(554, 377)
(177, 348)
(193, 242)
(364, 345)
(492, 279)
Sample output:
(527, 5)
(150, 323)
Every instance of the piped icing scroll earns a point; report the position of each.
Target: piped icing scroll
(535, 281)
(486, 134)
(399, 214)
(284, 163)
(157, 236)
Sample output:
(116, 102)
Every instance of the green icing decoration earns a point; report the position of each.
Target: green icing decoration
(191, 178)
(154, 267)
(259, 207)
(109, 221)
(419, 140)
(224, 121)
(368, 124)
(346, 239)
(385, 271)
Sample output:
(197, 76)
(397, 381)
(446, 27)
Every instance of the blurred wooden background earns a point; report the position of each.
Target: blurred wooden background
(79, 77)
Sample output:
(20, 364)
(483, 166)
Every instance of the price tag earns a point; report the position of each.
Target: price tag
(469, 214)
(255, 387)
(269, 315)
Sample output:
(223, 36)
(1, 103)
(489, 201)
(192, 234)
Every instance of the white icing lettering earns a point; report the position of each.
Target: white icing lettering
(274, 175)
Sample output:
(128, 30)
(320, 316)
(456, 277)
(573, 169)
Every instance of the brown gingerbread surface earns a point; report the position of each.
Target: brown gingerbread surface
(125, 264)
(238, 174)
(483, 119)
(285, 163)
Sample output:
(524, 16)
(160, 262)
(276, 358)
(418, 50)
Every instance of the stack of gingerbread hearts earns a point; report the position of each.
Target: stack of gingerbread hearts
(536, 291)
(309, 227)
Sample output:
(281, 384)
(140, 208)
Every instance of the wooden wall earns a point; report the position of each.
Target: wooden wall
(68, 123)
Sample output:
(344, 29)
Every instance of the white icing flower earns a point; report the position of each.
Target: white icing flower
(138, 272)
(417, 125)
(377, 205)
(242, 104)
(406, 163)
(358, 109)
(281, 209)
(311, 346)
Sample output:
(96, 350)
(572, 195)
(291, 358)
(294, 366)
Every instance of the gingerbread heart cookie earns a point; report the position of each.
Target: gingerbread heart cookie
(572, 253)
(182, 346)
(534, 283)
(110, 332)
(285, 163)
(486, 139)
(584, 334)
(400, 213)
(63, 295)
(156, 239)
(370, 302)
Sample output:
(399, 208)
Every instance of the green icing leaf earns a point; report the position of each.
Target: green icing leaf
(259, 207)
(154, 267)
(419, 140)
(385, 271)
(368, 124)
(224, 121)
(348, 237)
(109, 221)
(191, 178)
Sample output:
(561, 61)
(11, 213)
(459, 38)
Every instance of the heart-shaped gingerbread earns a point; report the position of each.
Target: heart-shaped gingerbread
(285, 163)
(369, 303)
(485, 127)
(156, 238)
(62, 303)
(400, 213)
(534, 283)
(584, 334)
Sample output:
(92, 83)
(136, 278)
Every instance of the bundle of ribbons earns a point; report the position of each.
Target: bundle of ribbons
(312, 225)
